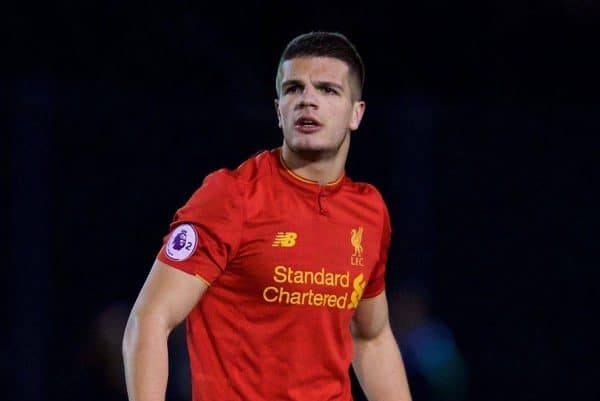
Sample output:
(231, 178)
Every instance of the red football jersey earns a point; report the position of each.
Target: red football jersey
(287, 261)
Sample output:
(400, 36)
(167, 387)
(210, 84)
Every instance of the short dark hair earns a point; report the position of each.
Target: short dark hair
(325, 44)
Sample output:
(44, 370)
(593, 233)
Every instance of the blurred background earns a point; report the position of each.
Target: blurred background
(480, 131)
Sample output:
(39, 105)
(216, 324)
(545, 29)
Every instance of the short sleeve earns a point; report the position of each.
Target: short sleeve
(205, 233)
(376, 282)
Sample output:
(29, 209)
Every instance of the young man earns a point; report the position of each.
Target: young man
(279, 264)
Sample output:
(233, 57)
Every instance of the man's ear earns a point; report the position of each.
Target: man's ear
(358, 110)
(276, 102)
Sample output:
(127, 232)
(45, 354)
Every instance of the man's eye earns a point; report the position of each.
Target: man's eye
(291, 89)
(329, 90)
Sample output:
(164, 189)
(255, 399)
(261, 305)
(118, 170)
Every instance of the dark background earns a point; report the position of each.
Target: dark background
(480, 132)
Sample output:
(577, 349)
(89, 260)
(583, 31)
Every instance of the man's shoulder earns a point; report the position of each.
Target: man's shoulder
(250, 170)
(255, 167)
(364, 189)
(370, 198)
(230, 184)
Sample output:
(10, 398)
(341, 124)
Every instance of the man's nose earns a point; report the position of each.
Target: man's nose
(308, 98)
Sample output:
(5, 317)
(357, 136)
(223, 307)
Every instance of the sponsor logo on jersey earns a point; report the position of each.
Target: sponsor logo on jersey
(318, 288)
(285, 239)
(358, 287)
(182, 243)
(356, 240)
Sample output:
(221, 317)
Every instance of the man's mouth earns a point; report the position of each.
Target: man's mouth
(307, 125)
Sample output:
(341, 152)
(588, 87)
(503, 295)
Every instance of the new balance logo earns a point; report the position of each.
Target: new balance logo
(285, 239)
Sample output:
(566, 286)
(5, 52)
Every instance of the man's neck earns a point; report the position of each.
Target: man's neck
(324, 168)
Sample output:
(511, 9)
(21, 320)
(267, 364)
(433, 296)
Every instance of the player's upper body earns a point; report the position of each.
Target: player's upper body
(287, 261)
(269, 262)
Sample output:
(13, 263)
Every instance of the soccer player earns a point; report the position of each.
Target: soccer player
(278, 265)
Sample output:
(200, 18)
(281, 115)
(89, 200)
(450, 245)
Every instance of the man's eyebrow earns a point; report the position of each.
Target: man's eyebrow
(291, 82)
(331, 84)
(319, 84)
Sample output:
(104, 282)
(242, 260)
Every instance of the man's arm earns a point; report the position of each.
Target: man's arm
(166, 298)
(376, 358)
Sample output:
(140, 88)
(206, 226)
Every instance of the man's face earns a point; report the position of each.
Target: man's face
(315, 108)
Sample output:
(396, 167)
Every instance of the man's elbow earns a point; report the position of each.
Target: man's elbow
(370, 332)
(129, 336)
(141, 329)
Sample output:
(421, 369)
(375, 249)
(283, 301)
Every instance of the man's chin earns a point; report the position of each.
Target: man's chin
(310, 145)
(311, 151)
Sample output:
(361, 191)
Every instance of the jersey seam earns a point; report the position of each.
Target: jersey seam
(242, 184)
(202, 278)
(241, 191)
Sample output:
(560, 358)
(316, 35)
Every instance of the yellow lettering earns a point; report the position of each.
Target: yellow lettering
(304, 295)
(295, 298)
(266, 297)
(298, 277)
(279, 294)
(341, 301)
(283, 293)
(320, 277)
(356, 261)
(280, 274)
(345, 280)
(308, 277)
(310, 297)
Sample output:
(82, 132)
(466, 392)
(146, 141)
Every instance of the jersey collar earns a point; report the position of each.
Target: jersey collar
(305, 183)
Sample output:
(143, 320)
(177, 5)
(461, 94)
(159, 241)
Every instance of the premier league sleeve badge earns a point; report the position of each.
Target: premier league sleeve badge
(182, 243)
